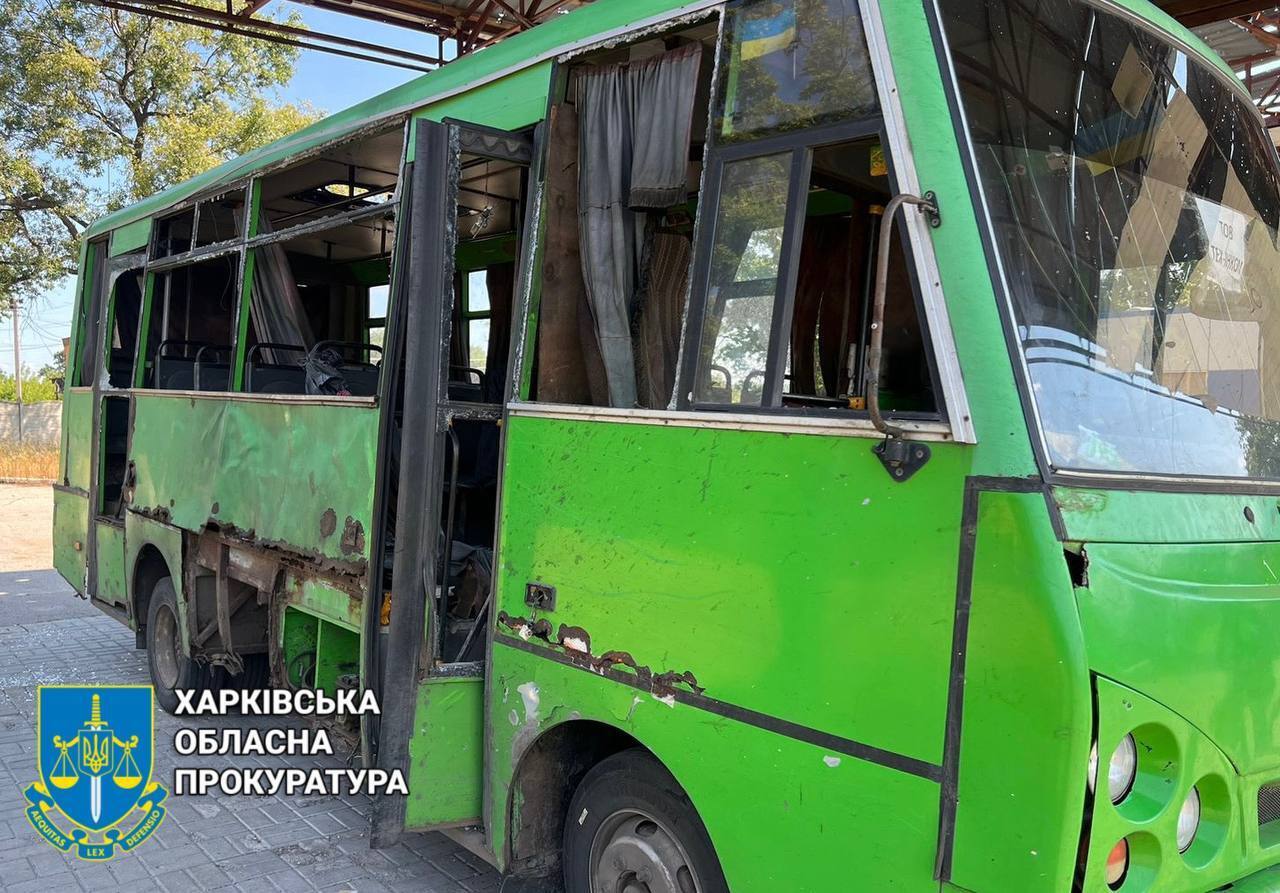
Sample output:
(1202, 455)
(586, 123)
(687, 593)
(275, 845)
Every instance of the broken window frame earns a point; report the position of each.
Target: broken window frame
(801, 145)
(166, 266)
(84, 359)
(253, 239)
(526, 304)
(158, 265)
(248, 238)
(109, 334)
(154, 256)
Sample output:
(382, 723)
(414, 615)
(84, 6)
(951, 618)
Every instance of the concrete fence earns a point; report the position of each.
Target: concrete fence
(41, 423)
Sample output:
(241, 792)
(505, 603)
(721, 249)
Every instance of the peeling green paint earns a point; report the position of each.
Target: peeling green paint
(70, 529)
(271, 468)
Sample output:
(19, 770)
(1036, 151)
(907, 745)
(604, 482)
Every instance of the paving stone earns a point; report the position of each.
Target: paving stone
(206, 842)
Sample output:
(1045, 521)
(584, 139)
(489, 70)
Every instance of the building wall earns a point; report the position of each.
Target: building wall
(41, 422)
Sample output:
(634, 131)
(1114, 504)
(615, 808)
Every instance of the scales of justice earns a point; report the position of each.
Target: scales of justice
(98, 745)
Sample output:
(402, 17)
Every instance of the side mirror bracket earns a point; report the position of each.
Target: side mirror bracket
(901, 458)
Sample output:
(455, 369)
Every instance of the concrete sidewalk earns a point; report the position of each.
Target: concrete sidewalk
(48, 635)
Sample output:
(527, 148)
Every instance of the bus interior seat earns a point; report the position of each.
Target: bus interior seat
(275, 377)
(179, 372)
(461, 387)
(359, 376)
(212, 368)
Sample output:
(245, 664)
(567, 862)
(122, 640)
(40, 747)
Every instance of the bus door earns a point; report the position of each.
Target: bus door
(467, 206)
(119, 324)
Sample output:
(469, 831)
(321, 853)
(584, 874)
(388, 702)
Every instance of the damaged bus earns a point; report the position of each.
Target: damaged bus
(767, 445)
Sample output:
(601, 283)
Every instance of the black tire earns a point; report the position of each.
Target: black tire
(170, 669)
(631, 796)
(256, 675)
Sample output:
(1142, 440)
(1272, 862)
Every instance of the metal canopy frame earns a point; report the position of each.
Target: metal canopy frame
(458, 27)
(1245, 33)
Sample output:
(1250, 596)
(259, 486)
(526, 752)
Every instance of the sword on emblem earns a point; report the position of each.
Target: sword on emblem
(95, 755)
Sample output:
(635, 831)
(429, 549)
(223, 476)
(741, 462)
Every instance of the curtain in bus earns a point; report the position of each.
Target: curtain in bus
(660, 316)
(501, 282)
(827, 302)
(275, 306)
(635, 123)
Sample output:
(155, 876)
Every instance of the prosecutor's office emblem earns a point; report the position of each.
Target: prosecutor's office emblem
(94, 749)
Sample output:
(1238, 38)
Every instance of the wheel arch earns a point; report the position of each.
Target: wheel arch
(149, 568)
(547, 773)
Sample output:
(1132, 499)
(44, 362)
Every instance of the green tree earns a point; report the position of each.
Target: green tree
(55, 370)
(34, 388)
(99, 108)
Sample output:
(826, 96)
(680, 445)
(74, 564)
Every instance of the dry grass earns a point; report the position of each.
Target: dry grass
(28, 462)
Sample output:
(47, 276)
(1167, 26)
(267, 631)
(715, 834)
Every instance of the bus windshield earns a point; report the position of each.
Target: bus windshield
(1132, 192)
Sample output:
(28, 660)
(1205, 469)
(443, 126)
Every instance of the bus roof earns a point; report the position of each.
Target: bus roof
(585, 25)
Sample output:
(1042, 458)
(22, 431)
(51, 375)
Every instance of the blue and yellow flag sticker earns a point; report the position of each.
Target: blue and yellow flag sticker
(766, 35)
(95, 746)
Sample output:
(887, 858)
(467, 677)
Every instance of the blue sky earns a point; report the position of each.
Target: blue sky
(328, 82)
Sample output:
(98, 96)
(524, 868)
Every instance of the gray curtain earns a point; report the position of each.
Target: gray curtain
(635, 122)
(274, 304)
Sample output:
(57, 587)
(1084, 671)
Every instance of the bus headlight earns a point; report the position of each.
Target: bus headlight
(1123, 769)
(1188, 820)
(1117, 865)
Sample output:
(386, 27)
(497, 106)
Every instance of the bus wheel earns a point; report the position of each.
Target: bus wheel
(170, 668)
(631, 829)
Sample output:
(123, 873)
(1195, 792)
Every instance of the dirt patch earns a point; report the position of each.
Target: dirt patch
(26, 519)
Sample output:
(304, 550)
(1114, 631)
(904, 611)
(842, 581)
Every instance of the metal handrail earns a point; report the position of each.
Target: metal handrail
(877, 312)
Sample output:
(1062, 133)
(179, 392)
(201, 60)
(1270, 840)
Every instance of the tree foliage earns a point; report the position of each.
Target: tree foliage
(99, 108)
(35, 388)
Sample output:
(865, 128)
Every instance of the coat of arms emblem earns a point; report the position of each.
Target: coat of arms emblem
(95, 745)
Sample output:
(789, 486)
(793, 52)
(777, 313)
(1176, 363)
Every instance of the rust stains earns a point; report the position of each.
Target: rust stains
(575, 642)
(352, 542)
(156, 513)
(574, 638)
(328, 523)
(295, 556)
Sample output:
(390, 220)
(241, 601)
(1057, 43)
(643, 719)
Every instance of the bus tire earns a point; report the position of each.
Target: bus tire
(630, 821)
(256, 675)
(170, 668)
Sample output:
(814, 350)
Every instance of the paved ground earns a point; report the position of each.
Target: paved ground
(47, 635)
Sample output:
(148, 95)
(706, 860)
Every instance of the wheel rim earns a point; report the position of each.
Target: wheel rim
(635, 853)
(166, 647)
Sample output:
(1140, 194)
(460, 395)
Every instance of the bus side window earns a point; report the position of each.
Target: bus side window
(321, 265)
(491, 202)
(780, 318)
(624, 150)
(189, 339)
(90, 302)
(759, 324)
(126, 315)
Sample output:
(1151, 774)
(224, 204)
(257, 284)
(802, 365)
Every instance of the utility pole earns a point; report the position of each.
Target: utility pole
(17, 364)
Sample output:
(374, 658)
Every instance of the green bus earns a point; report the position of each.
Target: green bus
(767, 445)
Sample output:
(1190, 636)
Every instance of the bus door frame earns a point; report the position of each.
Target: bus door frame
(412, 642)
(104, 304)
